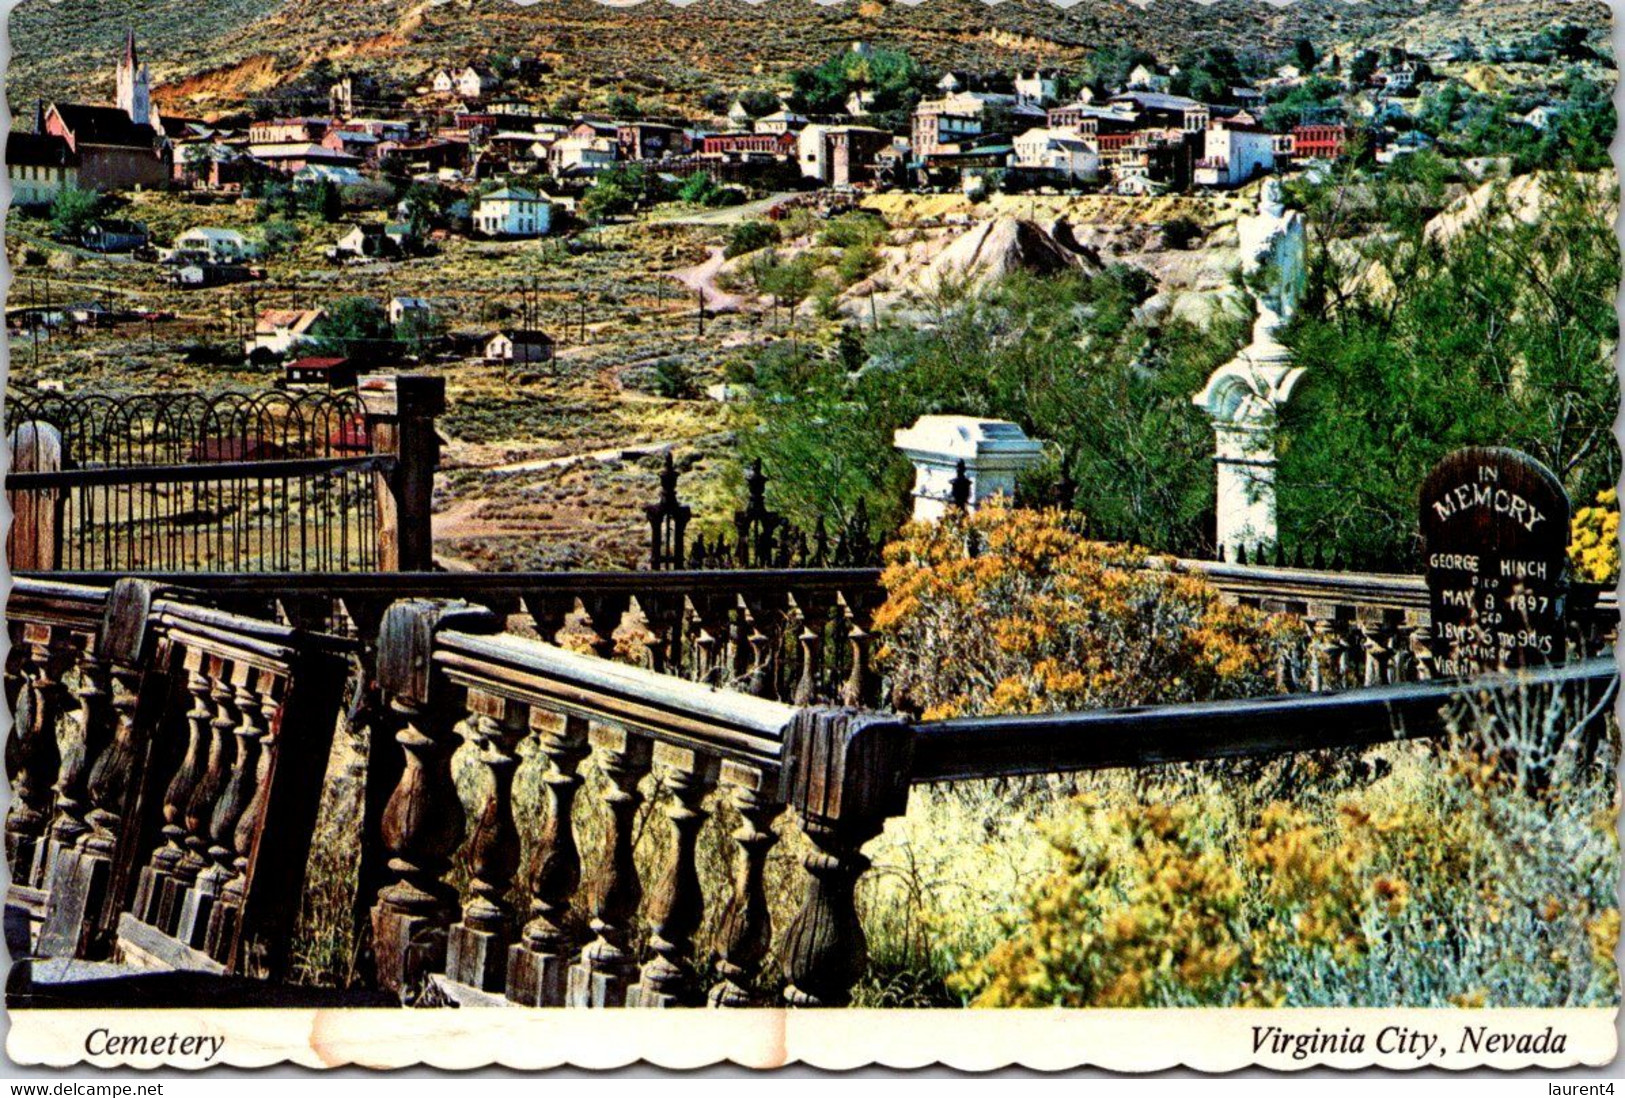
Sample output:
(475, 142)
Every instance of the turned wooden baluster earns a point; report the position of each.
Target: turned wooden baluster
(549, 613)
(604, 613)
(157, 883)
(33, 757)
(812, 614)
(92, 732)
(855, 690)
(848, 772)
(194, 890)
(257, 749)
(1402, 664)
(747, 927)
(422, 823)
(606, 967)
(78, 916)
(109, 783)
(1423, 657)
(539, 964)
(1377, 635)
(710, 639)
(664, 614)
(1325, 647)
(477, 950)
(15, 673)
(678, 907)
(760, 661)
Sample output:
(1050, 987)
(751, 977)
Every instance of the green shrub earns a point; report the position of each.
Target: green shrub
(750, 236)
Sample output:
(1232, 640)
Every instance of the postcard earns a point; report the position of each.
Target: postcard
(869, 533)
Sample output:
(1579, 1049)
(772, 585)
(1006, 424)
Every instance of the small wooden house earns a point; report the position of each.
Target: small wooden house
(519, 345)
(319, 373)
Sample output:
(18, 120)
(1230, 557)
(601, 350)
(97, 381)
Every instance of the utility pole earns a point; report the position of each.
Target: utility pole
(700, 298)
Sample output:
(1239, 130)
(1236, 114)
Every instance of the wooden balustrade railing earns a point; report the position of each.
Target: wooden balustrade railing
(49, 756)
(186, 793)
(598, 935)
(445, 664)
(165, 815)
(803, 635)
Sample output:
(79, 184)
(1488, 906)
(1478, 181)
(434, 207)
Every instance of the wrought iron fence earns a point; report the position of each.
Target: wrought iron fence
(270, 481)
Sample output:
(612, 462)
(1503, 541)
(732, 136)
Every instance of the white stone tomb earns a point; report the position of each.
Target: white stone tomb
(994, 451)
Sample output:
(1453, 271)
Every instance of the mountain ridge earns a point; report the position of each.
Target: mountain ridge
(665, 51)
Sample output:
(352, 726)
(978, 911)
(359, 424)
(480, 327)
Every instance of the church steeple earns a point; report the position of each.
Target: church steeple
(134, 85)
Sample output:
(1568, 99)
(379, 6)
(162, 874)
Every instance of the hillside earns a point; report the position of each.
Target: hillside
(232, 54)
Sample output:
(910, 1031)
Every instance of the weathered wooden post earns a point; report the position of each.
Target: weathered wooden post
(847, 772)
(35, 541)
(422, 824)
(401, 411)
(80, 914)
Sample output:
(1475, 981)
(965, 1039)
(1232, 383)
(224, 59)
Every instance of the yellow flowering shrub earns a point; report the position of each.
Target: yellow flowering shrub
(1141, 907)
(1012, 611)
(1594, 540)
(1445, 882)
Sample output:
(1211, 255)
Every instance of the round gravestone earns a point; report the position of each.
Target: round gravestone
(1495, 532)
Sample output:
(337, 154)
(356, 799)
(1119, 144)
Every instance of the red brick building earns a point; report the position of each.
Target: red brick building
(740, 144)
(1319, 142)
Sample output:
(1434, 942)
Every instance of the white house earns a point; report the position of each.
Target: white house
(519, 345)
(1038, 87)
(279, 331)
(475, 82)
(212, 246)
(781, 121)
(40, 167)
(1059, 152)
(578, 153)
(399, 307)
(1147, 77)
(444, 81)
(513, 211)
(1235, 151)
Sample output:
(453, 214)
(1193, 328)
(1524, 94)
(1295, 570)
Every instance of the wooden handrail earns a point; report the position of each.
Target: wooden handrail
(998, 747)
(1400, 592)
(721, 723)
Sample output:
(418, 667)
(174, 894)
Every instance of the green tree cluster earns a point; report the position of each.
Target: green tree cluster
(621, 189)
(1062, 356)
(1420, 336)
(892, 77)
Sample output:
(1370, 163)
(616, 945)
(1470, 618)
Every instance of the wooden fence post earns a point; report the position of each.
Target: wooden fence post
(422, 825)
(401, 411)
(847, 773)
(35, 540)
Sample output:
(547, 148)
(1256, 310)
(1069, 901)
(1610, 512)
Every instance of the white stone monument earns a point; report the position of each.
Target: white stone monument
(1244, 395)
(994, 453)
